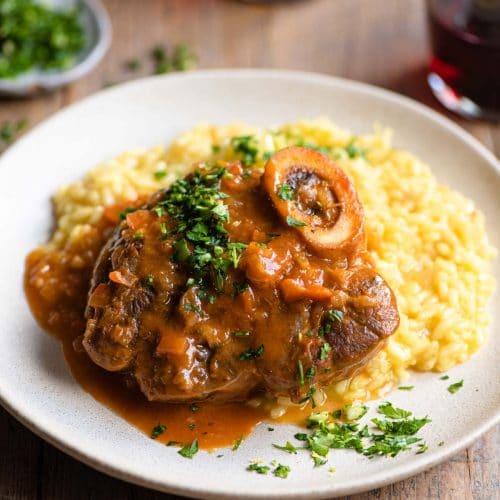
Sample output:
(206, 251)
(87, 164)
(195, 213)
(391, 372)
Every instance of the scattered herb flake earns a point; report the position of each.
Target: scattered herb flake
(160, 174)
(194, 407)
(300, 373)
(158, 431)
(406, 387)
(285, 192)
(288, 447)
(390, 411)
(241, 333)
(444, 377)
(237, 443)
(189, 450)
(455, 387)
(252, 353)
(281, 471)
(258, 467)
(294, 222)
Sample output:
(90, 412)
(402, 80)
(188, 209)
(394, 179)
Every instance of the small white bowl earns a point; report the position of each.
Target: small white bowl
(97, 26)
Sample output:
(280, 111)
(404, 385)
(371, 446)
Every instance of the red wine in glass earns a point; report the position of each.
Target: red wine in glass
(465, 67)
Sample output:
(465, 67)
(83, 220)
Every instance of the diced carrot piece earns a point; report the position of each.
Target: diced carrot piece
(137, 219)
(293, 290)
(122, 278)
(171, 343)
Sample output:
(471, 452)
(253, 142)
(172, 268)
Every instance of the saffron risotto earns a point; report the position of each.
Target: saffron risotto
(428, 241)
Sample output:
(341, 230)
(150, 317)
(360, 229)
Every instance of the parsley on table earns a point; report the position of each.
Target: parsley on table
(189, 450)
(406, 387)
(181, 59)
(252, 353)
(444, 377)
(455, 387)
(158, 431)
(10, 130)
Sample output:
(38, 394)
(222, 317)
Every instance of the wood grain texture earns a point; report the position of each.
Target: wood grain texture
(383, 43)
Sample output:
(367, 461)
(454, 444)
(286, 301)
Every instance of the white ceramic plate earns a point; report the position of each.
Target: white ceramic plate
(35, 385)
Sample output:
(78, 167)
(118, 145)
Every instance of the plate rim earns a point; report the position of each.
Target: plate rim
(378, 479)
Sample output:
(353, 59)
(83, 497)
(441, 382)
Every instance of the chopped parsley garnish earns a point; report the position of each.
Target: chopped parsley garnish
(353, 151)
(194, 407)
(266, 155)
(288, 447)
(247, 147)
(239, 288)
(270, 429)
(191, 426)
(9, 130)
(138, 236)
(160, 174)
(305, 144)
(195, 206)
(241, 333)
(259, 468)
(406, 387)
(282, 471)
(391, 436)
(189, 450)
(172, 443)
(300, 373)
(337, 414)
(252, 353)
(332, 316)
(354, 411)
(158, 431)
(335, 315)
(455, 387)
(294, 222)
(237, 443)
(391, 412)
(182, 59)
(324, 350)
(149, 280)
(310, 373)
(192, 308)
(37, 36)
(309, 397)
(285, 192)
(444, 377)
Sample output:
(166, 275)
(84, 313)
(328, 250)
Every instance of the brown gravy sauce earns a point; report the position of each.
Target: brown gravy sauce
(56, 284)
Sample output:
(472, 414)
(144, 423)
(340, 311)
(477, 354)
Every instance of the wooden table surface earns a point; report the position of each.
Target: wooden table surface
(382, 43)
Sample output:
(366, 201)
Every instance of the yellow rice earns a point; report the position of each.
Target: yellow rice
(428, 241)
